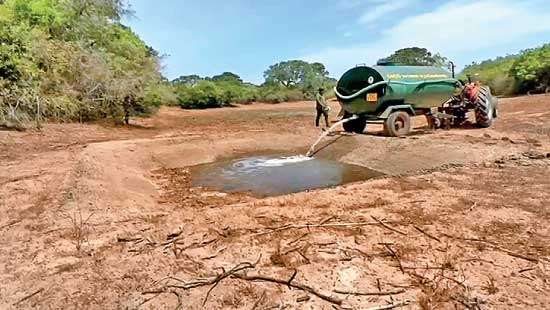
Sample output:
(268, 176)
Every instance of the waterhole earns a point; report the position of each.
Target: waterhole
(274, 175)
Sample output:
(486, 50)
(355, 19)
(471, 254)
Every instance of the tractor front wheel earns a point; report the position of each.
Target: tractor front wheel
(357, 125)
(398, 124)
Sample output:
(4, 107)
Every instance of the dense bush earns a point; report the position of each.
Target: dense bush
(532, 69)
(301, 83)
(208, 94)
(514, 74)
(494, 73)
(73, 60)
(203, 95)
(278, 94)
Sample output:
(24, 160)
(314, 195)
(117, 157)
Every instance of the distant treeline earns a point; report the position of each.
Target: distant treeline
(528, 71)
(292, 80)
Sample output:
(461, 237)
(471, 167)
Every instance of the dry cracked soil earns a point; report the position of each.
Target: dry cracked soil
(102, 217)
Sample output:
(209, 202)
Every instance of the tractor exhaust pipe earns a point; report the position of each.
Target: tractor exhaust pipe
(453, 66)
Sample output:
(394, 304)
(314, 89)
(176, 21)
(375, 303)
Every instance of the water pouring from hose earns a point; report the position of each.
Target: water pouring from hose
(311, 151)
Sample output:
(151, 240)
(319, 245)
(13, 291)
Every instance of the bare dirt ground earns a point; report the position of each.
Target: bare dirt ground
(102, 217)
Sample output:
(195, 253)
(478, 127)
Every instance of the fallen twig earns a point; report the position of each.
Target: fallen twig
(215, 254)
(286, 227)
(146, 300)
(425, 267)
(477, 259)
(388, 227)
(193, 245)
(213, 281)
(379, 293)
(391, 306)
(299, 286)
(327, 220)
(10, 224)
(237, 272)
(427, 234)
(518, 255)
(298, 239)
(303, 255)
(455, 281)
(303, 298)
(364, 254)
(38, 291)
(20, 178)
(128, 239)
(497, 247)
(292, 250)
(395, 256)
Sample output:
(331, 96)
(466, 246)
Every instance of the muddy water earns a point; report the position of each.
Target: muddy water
(263, 176)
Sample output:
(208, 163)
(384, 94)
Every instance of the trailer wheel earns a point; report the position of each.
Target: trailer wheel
(357, 125)
(484, 109)
(398, 124)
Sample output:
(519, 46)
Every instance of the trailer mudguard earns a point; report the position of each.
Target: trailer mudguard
(389, 110)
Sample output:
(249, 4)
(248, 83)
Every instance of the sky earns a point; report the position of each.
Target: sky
(208, 37)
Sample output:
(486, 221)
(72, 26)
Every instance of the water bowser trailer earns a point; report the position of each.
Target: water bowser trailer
(392, 94)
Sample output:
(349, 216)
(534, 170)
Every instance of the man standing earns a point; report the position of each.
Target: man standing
(322, 107)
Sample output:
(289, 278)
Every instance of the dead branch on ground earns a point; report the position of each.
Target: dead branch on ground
(292, 226)
(379, 293)
(298, 239)
(212, 281)
(496, 247)
(193, 245)
(395, 256)
(327, 220)
(388, 227)
(9, 224)
(426, 267)
(289, 283)
(38, 291)
(239, 272)
(427, 234)
(391, 306)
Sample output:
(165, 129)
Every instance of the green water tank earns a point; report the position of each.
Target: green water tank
(369, 91)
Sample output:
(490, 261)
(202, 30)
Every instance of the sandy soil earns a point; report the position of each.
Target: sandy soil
(103, 217)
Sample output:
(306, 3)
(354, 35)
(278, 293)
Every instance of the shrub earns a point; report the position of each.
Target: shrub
(74, 66)
(201, 96)
(160, 94)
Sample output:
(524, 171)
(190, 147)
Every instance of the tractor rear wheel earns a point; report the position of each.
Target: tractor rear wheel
(398, 124)
(357, 125)
(484, 109)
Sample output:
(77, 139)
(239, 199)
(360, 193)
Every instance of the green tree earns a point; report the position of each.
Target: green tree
(532, 68)
(203, 95)
(227, 77)
(416, 56)
(294, 72)
(189, 80)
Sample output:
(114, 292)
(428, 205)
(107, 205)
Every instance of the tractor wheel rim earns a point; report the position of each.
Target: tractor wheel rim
(399, 124)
